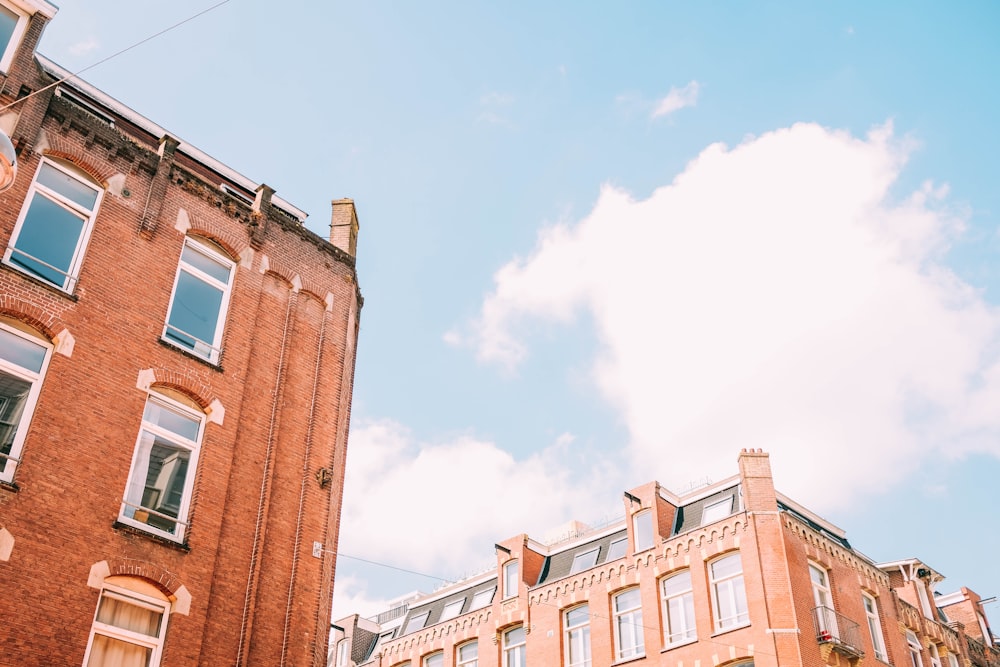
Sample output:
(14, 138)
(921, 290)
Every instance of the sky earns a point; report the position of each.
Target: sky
(606, 243)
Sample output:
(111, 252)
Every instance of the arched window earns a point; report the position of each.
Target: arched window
(467, 654)
(23, 360)
(54, 226)
(576, 636)
(511, 577)
(729, 597)
(514, 649)
(642, 530)
(129, 624)
(627, 607)
(434, 660)
(158, 494)
(200, 299)
(678, 609)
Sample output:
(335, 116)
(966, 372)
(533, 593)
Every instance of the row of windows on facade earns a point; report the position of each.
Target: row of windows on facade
(51, 236)
(158, 492)
(729, 610)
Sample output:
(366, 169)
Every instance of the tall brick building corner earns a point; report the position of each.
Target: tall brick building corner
(733, 574)
(176, 365)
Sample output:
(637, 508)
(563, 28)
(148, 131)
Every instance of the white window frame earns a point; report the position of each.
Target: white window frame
(511, 575)
(411, 624)
(628, 625)
(9, 462)
(482, 598)
(72, 273)
(585, 560)
(343, 652)
(915, 649)
(823, 598)
(679, 626)
(515, 650)
(434, 659)
(623, 542)
(210, 350)
(452, 610)
(935, 655)
(576, 636)
(870, 603)
(7, 57)
(717, 511)
(728, 587)
(138, 467)
(462, 660)
(642, 523)
(121, 634)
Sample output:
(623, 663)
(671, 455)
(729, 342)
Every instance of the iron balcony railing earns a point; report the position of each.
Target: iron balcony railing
(838, 630)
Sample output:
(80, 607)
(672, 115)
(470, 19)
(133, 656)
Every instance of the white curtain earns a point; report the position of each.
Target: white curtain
(111, 652)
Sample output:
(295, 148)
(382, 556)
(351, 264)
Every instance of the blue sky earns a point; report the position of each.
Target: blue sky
(607, 243)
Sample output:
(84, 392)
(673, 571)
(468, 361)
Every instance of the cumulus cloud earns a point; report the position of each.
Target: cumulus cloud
(774, 295)
(677, 99)
(465, 492)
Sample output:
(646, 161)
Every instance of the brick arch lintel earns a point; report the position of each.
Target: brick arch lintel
(165, 580)
(237, 248)
(47, 324)
(55, 146)
(186, 383)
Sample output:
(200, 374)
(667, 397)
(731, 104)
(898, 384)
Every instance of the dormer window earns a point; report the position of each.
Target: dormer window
(585, 560)
(717, 511)
(642, 530)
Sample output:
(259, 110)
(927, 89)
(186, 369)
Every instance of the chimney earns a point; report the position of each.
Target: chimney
(344, 226)
(758, 485)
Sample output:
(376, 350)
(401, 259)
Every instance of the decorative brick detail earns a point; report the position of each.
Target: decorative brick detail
(185, 382)
(163, 579)
(61, 148)
(46, 323)
(214, 232)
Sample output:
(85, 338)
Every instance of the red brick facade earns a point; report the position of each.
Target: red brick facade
(774, 544)
(247, 579)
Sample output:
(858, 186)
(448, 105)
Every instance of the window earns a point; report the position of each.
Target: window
(467, 655)
(514, 648)
(343, 652)
(585, 560)
(510, 577)
(576, 639)
(716, 511)
(826, 619)
(914, 645)
(434, 660)
(22, 365)
(874, 626)
(935, 656)
(678, 609)
(160, 482)
(128, 629)
(416, 622)
(54, 225)
(482, 598)
(452, 609)
(952, 660)
(729, 598)
(617, 549)
(12, 27)
(628, 625)
(200, 300)
(643, 530)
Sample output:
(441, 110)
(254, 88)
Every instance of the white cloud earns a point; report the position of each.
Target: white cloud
(772, 296)
(465, 493)
(85, 46)
(677, 99)
(351, 596)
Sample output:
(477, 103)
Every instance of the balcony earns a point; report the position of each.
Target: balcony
(838, 633)
(981, 655)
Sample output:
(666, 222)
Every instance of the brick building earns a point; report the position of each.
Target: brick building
(734, 574)
(176, 363)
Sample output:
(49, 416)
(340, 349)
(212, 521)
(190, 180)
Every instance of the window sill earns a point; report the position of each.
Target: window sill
(55, 289)
(732, 629)
(10, 487)
(625, 661)
(120, 526)
(670, 647)
(191, 355)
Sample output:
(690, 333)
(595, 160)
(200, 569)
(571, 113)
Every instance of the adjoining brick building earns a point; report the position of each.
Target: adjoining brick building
(176, 363)
(734, 574)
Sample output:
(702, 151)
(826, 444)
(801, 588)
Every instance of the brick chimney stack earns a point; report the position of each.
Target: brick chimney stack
(758, 485)
(344, 226)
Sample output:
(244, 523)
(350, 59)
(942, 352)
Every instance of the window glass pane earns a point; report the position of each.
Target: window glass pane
(21, 352)
(8, 21)
(50, 234)
(452, 609)
(677, 583)
(13, 397)
(436, 660)
(195, 311)
(133, 618)
(510, 577)
(617, 549)
(110, 651)
(627, 600)
(577, 616)
(515, 636)
(482, 598)
(171, 420)
(727, 566)
(204, 263)
(69, 187)
(643, 524)
(158, 482)
(717, 511)
(585, 560)
(468, 651)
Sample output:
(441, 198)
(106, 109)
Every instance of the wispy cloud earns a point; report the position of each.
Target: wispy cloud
(677, 99)
(773, 295)
(494, 106)
(85, 46)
